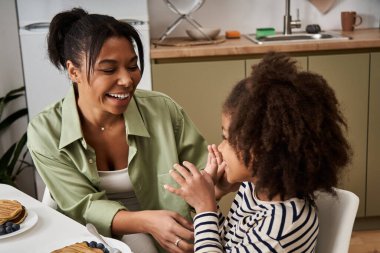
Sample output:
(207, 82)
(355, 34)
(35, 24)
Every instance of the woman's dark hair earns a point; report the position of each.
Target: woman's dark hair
(75, 33)
(287, 127)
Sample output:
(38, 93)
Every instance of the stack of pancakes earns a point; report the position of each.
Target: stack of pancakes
(78, 247)
(12, 210)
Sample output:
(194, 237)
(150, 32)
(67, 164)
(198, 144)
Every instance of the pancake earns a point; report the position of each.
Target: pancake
(10, 209)
(79, 247)
(20, 217)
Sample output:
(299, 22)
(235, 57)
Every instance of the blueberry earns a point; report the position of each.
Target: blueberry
(15, 227)
(105, 250)
(2, 230)
(8, 230)
(8, 223)
(92, 244)
(100, 245)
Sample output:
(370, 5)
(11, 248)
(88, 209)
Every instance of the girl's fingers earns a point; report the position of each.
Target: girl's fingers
(171, 189)
(209, 179)
(213, 168)
(221, 170)
(194, 171)
(217, 154)
(210, 150)
(177, 177)
(209, 154)
(182, 171)
(211, 161)
(208, 158)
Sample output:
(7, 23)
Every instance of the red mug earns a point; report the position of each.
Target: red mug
(349, 20)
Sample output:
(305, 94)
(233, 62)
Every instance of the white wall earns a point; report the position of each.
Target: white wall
(10, 67)
(247, 15)
(11, 77)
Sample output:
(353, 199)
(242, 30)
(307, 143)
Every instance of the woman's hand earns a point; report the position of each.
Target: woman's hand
(222, 186)
(167, 227)
(197, 188)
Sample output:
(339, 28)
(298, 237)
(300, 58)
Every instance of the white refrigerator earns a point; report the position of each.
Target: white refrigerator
(44, 83)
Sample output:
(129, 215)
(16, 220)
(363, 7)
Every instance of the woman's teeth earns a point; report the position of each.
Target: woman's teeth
(119, 96)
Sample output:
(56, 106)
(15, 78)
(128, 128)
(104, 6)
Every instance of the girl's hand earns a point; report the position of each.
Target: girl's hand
(197, 188)
(212, 165)
(222, 186)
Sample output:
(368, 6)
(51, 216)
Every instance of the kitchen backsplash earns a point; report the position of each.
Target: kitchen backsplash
(247, 15)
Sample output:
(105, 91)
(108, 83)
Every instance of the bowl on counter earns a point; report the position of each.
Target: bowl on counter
(196, 34)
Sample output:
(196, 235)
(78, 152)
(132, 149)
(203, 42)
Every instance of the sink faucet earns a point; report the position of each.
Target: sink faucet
(288, 22)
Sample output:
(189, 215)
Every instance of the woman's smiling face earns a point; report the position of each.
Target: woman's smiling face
(113, 80)
(236, 171)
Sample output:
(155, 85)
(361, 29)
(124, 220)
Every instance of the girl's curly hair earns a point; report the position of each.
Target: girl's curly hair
(287, 127)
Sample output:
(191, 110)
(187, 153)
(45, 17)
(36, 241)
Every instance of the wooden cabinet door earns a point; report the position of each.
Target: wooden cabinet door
(373, 162)
(200, 87)
(348, 74)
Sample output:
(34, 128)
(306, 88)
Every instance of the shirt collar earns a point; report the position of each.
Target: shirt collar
(134, 120)
(71, 127)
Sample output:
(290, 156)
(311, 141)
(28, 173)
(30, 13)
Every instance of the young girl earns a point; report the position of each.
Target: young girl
(282, 141)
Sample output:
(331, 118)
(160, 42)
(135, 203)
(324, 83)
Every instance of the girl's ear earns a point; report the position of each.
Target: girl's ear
(252, 162)
(72, 71)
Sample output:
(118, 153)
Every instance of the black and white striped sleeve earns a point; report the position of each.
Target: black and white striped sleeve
(206, 230)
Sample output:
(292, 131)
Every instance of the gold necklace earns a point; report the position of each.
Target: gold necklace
(103, 128)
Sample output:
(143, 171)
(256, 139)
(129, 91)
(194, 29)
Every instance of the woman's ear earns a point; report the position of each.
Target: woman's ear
(73, 72)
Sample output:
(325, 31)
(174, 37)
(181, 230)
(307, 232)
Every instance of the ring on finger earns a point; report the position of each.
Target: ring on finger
(177, 242)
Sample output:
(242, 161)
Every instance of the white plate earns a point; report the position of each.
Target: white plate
(28, 223)
(112, 242)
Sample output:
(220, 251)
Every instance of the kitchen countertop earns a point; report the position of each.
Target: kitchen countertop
(361, 39)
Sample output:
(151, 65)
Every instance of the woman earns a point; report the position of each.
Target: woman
(105, 150)
(283, 140)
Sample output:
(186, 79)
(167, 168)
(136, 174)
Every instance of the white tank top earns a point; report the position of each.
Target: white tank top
(118, 186)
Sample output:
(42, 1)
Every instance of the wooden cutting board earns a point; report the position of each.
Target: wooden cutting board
(323, 5)
(184, 42)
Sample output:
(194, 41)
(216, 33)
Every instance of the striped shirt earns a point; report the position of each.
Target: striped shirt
(253, 225)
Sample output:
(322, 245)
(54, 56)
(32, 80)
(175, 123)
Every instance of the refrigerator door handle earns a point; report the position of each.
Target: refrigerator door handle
(132, 22)
(39, 25)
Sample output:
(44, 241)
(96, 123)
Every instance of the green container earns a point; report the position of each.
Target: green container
(266, 31)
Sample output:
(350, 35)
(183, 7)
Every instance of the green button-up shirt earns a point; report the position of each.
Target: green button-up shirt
(159, 135)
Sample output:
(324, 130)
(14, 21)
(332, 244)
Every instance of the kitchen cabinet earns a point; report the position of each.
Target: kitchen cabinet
(200, 87)
(348, 74)
(373, 153)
